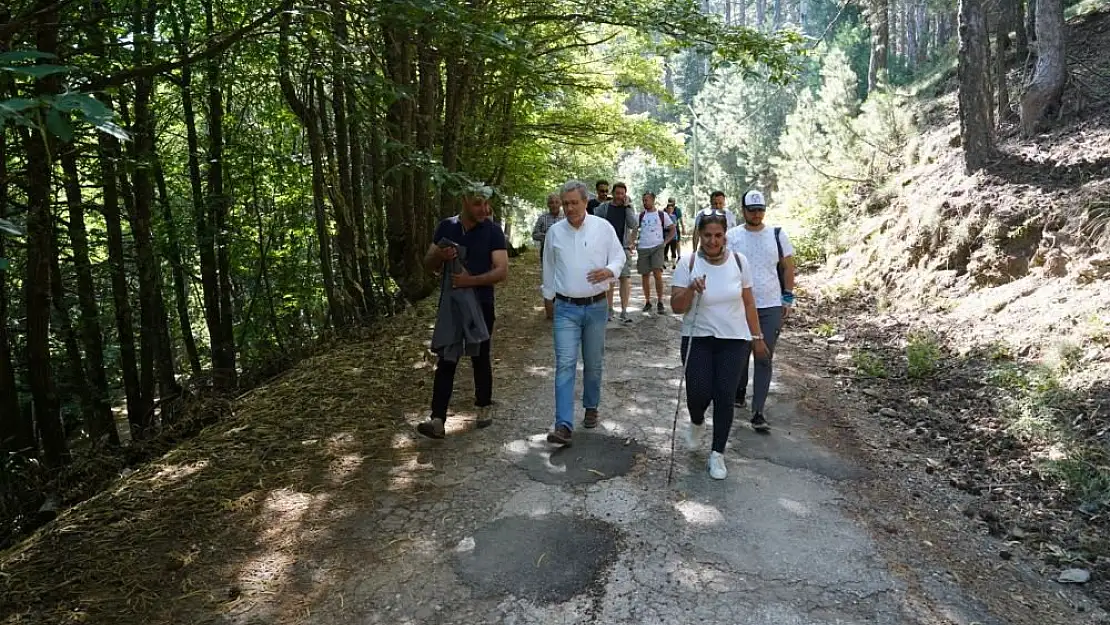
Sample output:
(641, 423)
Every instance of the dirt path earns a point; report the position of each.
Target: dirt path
(493, 527)
(316, 504)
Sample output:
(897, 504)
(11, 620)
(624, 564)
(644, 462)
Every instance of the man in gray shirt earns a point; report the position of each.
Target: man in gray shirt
(622, 216)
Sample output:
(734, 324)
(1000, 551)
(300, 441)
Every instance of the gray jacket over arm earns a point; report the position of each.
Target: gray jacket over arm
(460, 327)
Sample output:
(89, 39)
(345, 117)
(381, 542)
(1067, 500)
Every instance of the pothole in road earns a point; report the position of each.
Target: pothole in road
(593, 457)
(546, 559)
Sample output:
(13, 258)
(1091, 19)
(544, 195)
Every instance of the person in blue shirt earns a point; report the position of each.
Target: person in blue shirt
(674, 248)
(479, 242)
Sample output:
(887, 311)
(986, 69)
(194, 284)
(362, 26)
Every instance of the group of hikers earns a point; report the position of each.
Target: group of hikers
(734, 290)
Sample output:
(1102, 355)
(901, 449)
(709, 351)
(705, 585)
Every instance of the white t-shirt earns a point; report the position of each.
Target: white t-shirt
(721, 310)
(760, 249)
(652, 228)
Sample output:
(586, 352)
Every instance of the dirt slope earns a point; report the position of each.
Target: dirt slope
(972, 314)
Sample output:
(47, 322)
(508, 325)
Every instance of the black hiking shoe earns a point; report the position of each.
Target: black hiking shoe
(659, 308)
(432, 428)
(740, 403)
(561, 435)
(485, 417)
(647, 307)
(759, 424)
(590, 421)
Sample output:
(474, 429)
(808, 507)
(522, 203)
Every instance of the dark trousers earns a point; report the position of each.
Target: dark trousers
(770, 323)
(674, 248)
(483, 374)
(711, 376)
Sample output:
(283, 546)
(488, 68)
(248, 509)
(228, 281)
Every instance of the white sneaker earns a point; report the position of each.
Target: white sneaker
(716, 464)
(692, 435)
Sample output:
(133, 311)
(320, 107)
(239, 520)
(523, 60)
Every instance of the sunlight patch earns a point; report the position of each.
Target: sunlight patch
(168, 474)
(796, 507)
(697, 513)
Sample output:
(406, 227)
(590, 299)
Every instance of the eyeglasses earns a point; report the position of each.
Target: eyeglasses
(706, 212)
(756, 209)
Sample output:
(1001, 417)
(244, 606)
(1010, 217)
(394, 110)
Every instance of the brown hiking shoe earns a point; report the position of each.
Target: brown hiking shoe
(560, 436)
(432, 428)
(591, 418)
(485, 417)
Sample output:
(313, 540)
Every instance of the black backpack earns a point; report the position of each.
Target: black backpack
(780, 269)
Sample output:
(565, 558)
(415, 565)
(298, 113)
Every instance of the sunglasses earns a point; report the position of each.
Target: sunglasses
(756, 209)
(706, 212)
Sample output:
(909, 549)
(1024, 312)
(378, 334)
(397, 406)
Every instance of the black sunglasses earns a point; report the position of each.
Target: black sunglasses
(756, 209)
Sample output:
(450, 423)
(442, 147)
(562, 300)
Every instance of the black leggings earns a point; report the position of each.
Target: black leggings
(674, 248)
(711, 376)
(483, 374)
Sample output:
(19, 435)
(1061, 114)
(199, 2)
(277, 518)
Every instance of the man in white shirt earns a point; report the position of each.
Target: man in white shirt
(581, 257)
(656, 231)
(771, 256)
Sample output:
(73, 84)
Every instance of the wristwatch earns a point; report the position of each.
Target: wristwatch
(757, 337)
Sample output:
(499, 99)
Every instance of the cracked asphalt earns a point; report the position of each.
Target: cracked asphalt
(489, 527)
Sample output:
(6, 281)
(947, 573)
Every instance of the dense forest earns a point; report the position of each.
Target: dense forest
(192, 193)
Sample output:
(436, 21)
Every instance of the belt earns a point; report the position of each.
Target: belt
(580, 301)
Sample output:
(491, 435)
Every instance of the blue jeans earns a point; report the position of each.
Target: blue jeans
(578, 327)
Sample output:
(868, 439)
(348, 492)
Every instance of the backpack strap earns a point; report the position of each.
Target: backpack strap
(778, 241)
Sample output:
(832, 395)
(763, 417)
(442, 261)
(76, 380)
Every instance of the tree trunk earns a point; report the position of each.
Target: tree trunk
(776, 19)
(39, 247)
(1021, 38)
(402, 221)
(427, 128)
(16, 432)
(976, 125)
(728, 12)
(760, 14)
(102, 425)
(910, 20)
(879, 19)
(152, 304)
(77, 384)
(224, 371)
(1031, 24)
(306, 113)
(1001, 67)
(177, 267)
(1051, 70)
(138, 415)
(742, 13)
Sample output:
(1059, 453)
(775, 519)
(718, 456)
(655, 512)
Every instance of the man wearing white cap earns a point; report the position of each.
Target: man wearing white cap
(771, 256)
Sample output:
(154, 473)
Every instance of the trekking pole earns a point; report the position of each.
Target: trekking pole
(682, 382)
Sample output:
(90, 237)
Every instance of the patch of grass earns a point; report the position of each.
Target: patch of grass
(923, 354)
(1000, 352)
(1066, 355)
(1034, 402)
(1085, 474)
(869, 364)
(825, 330)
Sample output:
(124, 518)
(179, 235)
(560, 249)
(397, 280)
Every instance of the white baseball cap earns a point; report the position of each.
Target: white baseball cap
(754, 198)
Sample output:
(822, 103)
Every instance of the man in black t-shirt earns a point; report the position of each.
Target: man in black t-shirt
(602, 188)
(479, 243)
(620, 214)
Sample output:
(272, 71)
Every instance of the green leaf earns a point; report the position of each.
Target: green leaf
(58, 126)
(10, 228)
(18, 56)
(113, 130)
(16, 105)
(5, 264)
(38, 72)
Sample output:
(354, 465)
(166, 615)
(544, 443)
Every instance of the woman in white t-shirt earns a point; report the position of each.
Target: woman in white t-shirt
(713, 288)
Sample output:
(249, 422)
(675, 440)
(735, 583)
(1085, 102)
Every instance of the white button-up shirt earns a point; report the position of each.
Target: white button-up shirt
(570, 254)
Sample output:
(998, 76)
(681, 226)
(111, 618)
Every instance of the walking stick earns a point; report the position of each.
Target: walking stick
(681, 383)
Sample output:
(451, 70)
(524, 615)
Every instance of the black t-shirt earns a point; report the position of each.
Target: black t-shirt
(591, 205)
(617, 216)
(477, 246)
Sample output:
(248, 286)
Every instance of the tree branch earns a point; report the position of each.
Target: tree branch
(212, 50)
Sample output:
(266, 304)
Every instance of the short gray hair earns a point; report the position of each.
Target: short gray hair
(575, 185)
(554, 195)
